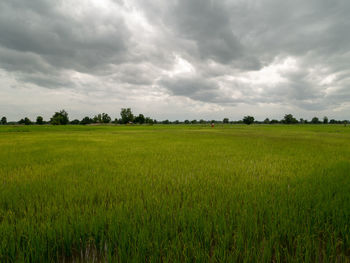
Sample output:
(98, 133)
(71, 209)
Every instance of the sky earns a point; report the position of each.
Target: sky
(175, 59)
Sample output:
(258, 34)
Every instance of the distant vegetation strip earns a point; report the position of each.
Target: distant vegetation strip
(127, 117)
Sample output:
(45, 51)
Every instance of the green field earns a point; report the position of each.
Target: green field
(260, 193)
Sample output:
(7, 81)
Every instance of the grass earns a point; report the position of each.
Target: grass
(175, 193)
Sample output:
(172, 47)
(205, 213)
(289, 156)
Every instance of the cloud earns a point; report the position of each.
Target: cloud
(201, 57)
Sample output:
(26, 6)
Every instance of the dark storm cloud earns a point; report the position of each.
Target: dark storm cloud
(229, 52)
(247, 35)
(61, 40)
(196, 88)
(214, 36)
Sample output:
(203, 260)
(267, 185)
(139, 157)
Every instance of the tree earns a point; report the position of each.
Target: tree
(315, 120)
(140, 119)
(289, 119)
(86, 120)
(225, 120)
(25, 121)
(3, 120)
(60, 118)
(267, 121)
(187, 122)
(126, 115)
(325, 120)
(106, 118)
(118, 121)
(248, 120)
(75, 122)
(194, 122)
(165, 122)
(148, 120)
(97, 118)
(39, 120)
(102, 118)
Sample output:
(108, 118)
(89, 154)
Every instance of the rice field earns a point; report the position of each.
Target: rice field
(175, 193)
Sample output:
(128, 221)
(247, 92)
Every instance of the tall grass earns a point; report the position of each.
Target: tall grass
(175, 193)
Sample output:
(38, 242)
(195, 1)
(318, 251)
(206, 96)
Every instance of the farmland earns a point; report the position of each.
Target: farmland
(178, 193)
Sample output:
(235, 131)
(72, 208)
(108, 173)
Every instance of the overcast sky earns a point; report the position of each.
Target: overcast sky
(175, 59)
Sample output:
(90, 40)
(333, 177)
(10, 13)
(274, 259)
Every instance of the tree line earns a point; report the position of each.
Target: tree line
(127, 117)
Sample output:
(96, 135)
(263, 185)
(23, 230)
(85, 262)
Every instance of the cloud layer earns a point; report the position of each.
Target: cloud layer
(175, 59)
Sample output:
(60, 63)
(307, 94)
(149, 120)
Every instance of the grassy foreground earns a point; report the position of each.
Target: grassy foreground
(175, 193)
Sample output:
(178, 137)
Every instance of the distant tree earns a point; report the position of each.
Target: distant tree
(301, 121)
(194, 122)
(75, 122)
(187, 122)
(325, 120)
(289, 119)
(106, 118)
(274, 121)
(165, 122)
(201, 121)
(3, 120)
(39, 120)
(177, 122)
(140, 119)
(86, 120)
(267, 121)
(25, 121)
(248, 120)
(148, 120)
(60, 118)
(126, 115)
(97, 118)
(315, 120)
(117, 121)
(332, 121)
(225, 120)
(102, 118)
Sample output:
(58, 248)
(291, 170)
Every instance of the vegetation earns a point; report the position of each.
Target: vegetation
(127, 117)
(233, 193)
(60, 118)
(140, 119)
(248, 120)
(102, 118)
(25, 121)
(3, 120)
(315, 120)
(289, 119)
(40, 120)
(86, 120)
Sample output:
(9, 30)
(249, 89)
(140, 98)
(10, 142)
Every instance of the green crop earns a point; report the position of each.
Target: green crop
(175, 193)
